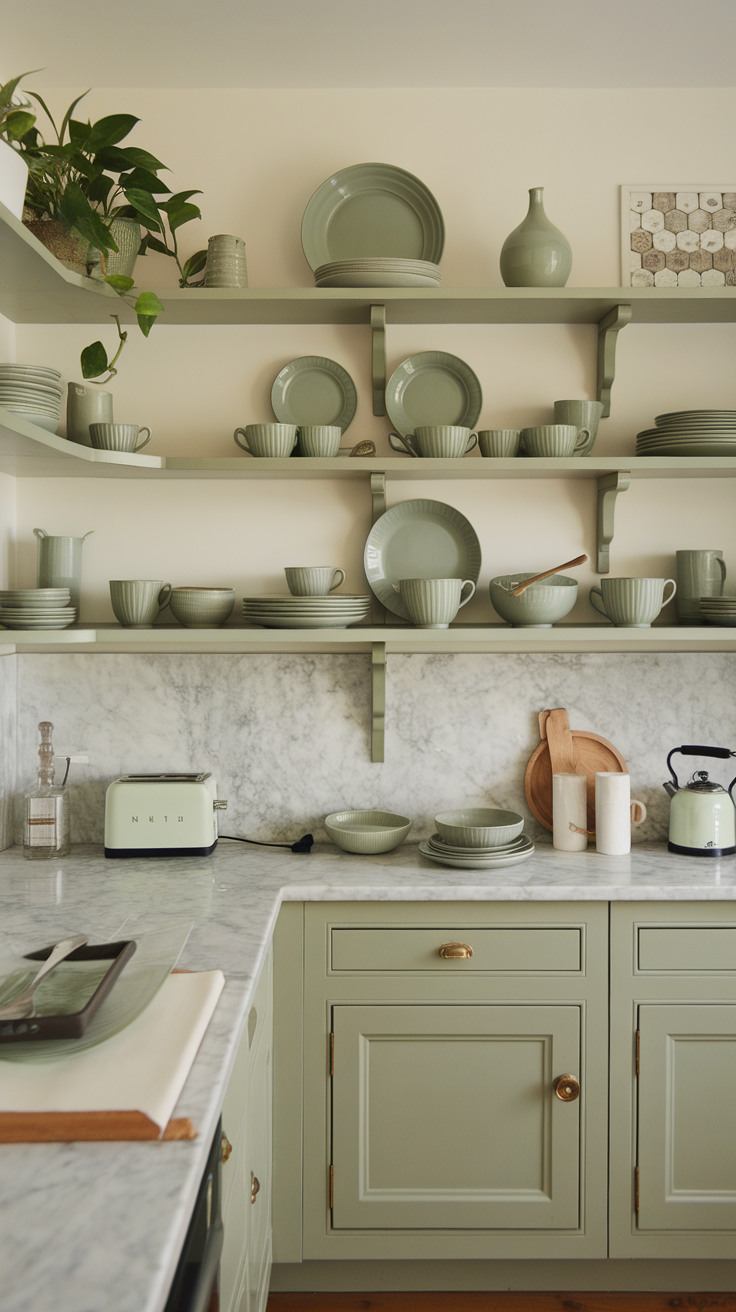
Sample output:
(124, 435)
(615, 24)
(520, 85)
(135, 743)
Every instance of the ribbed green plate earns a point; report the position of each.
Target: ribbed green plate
(419, 540)
(373, 210)
(433, 387)
(314, 390)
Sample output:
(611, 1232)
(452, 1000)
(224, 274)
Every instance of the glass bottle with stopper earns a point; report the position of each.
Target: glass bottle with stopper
(46, 825)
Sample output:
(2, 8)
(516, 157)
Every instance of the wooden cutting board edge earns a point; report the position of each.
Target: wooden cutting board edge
(532, 762)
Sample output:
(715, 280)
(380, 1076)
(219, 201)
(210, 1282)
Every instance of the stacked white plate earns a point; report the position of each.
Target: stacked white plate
(33, 391)
(690, 433)
(719, 610)
(386, 271)
(36, 608)
(282, 611)
(477, 858)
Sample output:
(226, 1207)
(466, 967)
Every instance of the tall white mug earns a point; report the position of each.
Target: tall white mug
(615, 813)
(569, 812)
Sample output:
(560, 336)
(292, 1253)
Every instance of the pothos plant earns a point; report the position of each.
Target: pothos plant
(85, 179)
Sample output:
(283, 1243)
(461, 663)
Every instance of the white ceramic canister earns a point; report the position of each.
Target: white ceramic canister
(569, 812)
(615, 813)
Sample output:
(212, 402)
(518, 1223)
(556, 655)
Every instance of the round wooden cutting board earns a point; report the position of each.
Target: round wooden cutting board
(590, 753)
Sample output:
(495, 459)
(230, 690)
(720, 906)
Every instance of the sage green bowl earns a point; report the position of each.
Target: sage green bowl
(479, 826)
(367, 832)
(541, 606)
(202, 608)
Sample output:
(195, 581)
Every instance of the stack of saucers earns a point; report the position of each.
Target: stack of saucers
(690, 433)
(36, 608)
(386, 271)
(719, 610)
(478, 839)
(32, 391)
(282, 611)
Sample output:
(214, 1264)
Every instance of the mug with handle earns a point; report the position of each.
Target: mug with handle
(631, 603)
(119, 437)
(434, 603)
(436, 441)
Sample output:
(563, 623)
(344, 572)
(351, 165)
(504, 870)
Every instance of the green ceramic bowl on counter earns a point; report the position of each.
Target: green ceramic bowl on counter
(479, 826)
(367, 832)
(541, 606)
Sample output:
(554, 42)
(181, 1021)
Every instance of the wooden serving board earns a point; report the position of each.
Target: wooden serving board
(590, 753)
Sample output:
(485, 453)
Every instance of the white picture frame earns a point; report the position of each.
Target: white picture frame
(704, 251)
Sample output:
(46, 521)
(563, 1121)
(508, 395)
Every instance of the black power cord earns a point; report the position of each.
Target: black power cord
(304, 844)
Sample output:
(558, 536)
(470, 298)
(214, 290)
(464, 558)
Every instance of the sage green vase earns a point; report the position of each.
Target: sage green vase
(536, 254)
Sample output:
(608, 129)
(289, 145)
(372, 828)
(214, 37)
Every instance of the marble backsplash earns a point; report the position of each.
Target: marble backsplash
(287, 736)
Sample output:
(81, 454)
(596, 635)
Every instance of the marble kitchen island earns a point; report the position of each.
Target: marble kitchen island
(86, 1227)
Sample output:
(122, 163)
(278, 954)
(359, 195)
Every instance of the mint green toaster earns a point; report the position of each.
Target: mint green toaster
(161, 815)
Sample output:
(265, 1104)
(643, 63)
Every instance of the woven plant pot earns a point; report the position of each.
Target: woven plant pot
(126, 234)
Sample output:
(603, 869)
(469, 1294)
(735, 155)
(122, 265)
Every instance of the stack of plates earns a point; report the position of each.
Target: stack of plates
(282, 611)
(378, 272)
(36, 608)
(33, 391)
(690, 433)
(477, 858)
(719, 610)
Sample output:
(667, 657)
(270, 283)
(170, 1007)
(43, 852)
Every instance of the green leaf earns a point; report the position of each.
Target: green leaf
(119, 159)
(76, 212)
(144, 179)
(108, 131)
(94, 360)
(45, 108)
(144, 204)
(18, 123)
(194, 264)
(146, 322)
(148, 304)
(184, 214)
(79, 131)
(120, 283)
(154, 244)
(67, 117)
(6, 92)
(99, 190)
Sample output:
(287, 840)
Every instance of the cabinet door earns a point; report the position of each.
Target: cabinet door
(258, 1181)
(446, 1116)
(687, 1091)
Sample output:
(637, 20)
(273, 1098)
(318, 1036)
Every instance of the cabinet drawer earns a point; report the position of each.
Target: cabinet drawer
(503, 949)
(675, 948)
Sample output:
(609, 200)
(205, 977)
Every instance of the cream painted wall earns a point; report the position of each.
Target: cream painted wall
(479, 151)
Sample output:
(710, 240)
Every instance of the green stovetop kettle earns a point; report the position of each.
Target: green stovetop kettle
(702, 814)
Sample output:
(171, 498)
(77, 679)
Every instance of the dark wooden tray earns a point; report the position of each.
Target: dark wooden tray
(73, 1025)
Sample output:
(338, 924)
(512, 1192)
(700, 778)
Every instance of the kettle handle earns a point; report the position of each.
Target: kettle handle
(722, 752)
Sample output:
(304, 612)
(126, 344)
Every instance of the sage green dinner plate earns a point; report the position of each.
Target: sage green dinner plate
(372, 210)
(484, 863)
(314, 390)
(419, 540)
(433, 387)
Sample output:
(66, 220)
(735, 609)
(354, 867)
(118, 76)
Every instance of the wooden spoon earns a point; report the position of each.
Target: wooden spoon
(568, 564)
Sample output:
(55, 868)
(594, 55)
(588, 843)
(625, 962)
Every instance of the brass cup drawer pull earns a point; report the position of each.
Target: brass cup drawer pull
(455, 951)
(225, 1148)
(567, 1088)
(255, 1185)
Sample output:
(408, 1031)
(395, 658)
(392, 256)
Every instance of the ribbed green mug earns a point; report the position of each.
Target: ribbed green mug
(434, 603)
(631, 603)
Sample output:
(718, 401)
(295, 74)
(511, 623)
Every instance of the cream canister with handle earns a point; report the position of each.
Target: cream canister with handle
(60, 563)
(615, 813)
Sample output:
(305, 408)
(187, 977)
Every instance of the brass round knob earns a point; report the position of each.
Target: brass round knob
(567, 1088)
(225, 1148)
(455, 951)
(255, 1185)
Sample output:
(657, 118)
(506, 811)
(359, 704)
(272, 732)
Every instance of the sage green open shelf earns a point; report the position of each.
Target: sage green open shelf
(36, 288)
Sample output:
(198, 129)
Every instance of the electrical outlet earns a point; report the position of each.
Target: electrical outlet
(74, 758)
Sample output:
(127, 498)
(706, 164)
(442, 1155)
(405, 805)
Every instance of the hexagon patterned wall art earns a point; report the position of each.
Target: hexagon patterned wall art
(678, 235)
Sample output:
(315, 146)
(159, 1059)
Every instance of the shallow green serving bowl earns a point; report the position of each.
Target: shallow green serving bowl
(367, 832)
(541, 606)
(479, 826)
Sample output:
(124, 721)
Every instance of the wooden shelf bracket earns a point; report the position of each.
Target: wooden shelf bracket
(608, 330)
(378, 358)
(609, 486)
(378, 711)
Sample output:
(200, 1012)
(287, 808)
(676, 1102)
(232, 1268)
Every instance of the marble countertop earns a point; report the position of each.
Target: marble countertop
(91, 1226)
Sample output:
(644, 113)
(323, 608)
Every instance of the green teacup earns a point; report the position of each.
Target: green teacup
(631, 603)
(319, 439)
(434, 603)
(584, 415)
(499, 442)
(436, 441)
(554, 440)
(267, 440)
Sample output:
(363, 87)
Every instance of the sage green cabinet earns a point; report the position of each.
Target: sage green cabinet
(673, 1080)
(431, 1126)
(446, 1118)
(246, 1122)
